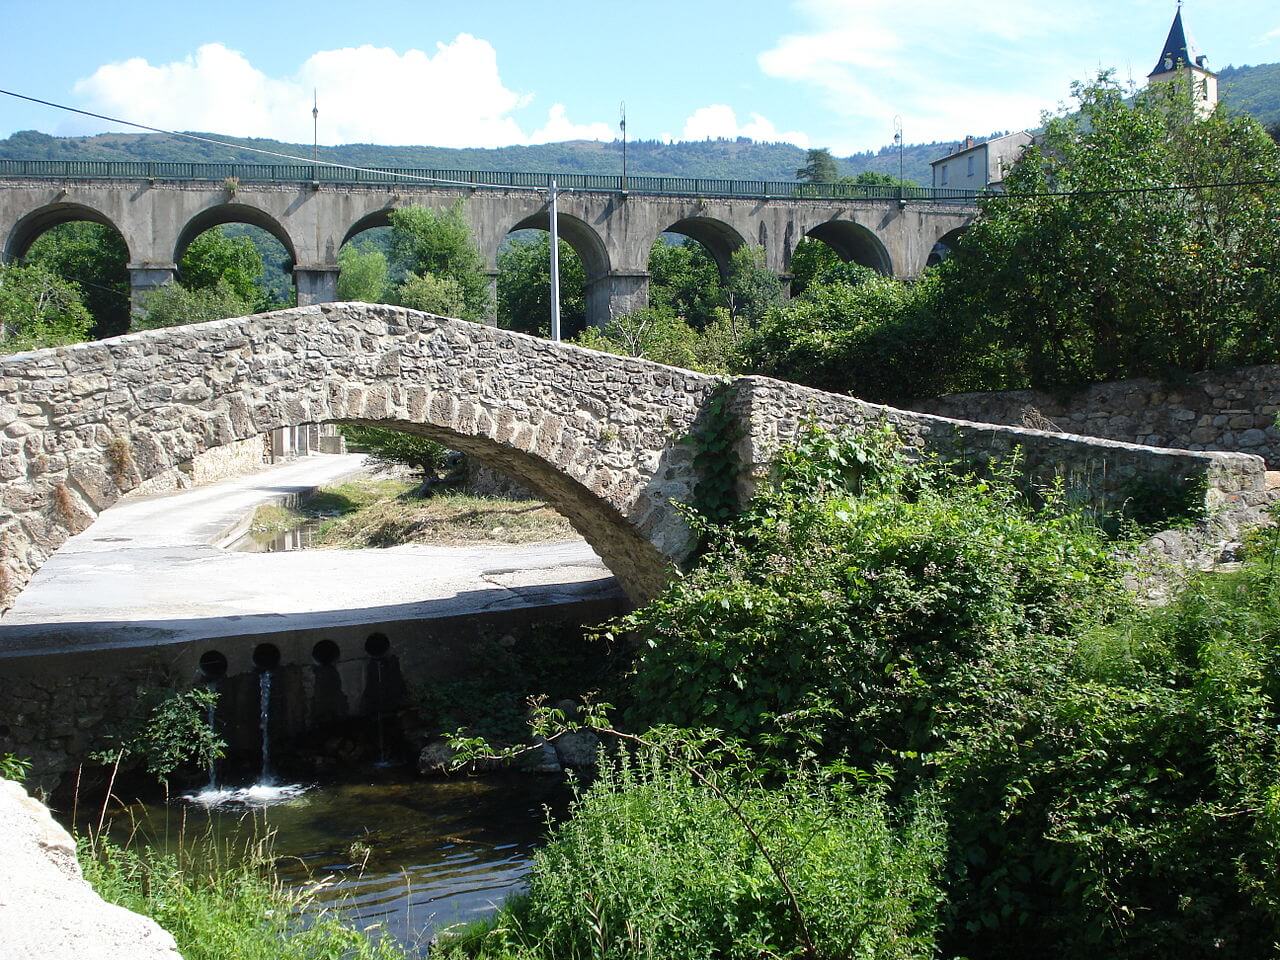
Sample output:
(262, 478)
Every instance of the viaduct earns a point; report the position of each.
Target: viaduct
(159, 208)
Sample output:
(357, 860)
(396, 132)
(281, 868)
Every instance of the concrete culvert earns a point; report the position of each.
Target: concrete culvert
(325, 652)
(266, 656)
(213, 664)
(377, 645)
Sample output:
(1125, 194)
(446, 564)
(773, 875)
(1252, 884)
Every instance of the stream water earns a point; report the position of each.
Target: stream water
(296, 538)
(411, 855)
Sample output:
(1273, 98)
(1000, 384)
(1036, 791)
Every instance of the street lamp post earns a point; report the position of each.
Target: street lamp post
(897, 139)
(622, 123)
(553, 211)
(315, 135)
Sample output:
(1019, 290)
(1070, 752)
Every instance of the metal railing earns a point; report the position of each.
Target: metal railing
(478, 179)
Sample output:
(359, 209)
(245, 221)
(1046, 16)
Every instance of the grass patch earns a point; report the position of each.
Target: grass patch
(223, 902)
(383, 512)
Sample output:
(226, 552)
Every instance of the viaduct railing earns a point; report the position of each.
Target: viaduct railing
(476, 179)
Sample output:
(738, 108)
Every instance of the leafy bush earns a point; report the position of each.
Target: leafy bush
(175, 304)
(13, 767)
(854, 331)
(167, 730)
(653, 865)
(222, 903)
(39, 309)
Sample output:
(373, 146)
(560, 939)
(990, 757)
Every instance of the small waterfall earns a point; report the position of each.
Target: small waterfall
(382, 736)
(211, 719)
(264, 723)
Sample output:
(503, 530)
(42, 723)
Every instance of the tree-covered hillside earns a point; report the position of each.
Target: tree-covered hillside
(1252, 90)
(739, 159)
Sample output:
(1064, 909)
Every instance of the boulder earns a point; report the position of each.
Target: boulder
(47, 910)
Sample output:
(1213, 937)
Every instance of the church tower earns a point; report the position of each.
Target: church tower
(1181, 62)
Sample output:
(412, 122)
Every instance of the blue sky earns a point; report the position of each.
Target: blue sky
(493, 72)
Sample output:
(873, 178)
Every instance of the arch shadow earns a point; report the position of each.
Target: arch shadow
(944, 246)
(854, 243)
(27, 230)
(579, 234)
(232, 213)
(719, 238)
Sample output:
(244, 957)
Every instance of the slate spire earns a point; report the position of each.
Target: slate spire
(1179, 49)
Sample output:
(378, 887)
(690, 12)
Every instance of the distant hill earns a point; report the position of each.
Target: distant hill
(1252, 90)
(739, 159)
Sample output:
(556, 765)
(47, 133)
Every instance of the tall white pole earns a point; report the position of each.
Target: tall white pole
(555, 264)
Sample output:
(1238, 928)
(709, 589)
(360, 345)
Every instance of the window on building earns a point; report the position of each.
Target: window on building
(971, 164)
(945, 174)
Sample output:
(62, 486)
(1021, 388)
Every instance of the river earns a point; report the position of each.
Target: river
(412, 855)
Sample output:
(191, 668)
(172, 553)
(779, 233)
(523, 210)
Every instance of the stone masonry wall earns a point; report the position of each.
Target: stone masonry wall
(603, 439)
(221, 463)
(1233, 410)
(1102, 473)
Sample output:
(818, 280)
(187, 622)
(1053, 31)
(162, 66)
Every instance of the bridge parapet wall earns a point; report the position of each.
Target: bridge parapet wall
(1098, 472)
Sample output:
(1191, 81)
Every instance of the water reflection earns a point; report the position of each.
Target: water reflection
(300, 537)
(413, 856)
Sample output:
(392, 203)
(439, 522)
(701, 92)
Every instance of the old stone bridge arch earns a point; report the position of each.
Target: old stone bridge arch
(598, 436)
(604, 439)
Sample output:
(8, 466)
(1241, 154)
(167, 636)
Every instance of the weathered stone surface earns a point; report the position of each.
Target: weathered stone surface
(604, 439)
(1232, 410)
(47, 910)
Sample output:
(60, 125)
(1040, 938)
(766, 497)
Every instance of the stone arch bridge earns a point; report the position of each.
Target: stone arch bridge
(605, 439)
(611, 229)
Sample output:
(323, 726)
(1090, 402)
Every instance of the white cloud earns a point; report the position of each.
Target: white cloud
(1271, 35)
(719, 121)
(559, 128)
(869, 60)
(367, 94)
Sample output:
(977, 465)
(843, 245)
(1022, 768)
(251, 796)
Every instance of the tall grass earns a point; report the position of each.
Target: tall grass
(222, 901)
(653, 865)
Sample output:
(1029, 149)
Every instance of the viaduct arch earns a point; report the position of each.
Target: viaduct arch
(606, 440)
(612, 231)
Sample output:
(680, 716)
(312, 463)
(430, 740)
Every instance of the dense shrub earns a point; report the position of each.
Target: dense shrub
(1107, 772)
(654, 865)
(858, 333)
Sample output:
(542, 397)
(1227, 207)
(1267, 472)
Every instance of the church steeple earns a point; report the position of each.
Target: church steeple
(1180, 54)
(1179, 50)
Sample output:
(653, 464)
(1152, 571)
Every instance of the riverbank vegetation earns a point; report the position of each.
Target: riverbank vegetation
(386, 511)
(922, 644)
(223, 902)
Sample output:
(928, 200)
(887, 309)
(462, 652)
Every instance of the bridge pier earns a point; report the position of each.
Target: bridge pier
(316, 285)
(142, 280)
(614, 295)
(492, 319)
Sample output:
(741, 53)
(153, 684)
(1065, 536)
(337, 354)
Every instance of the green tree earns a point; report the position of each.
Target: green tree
(94, 258)
(750, 288)
(439, 243)
(38, 308)
(391, 446)
(877, 338)
(819, 167)
(1090, 268)
(214, 258)
(174, 304)
(684, 280)
(431, 294)
(524, 287)
(363, 274)
(653, 333)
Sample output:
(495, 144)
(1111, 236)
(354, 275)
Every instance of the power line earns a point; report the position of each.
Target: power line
(237, 146)
(1048, 194)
